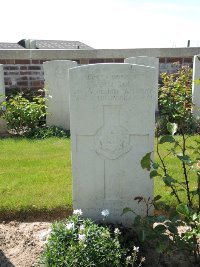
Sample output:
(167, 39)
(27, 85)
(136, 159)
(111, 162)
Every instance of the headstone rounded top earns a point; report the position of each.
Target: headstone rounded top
(143, 60)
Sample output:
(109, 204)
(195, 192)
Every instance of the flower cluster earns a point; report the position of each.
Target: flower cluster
(133, 258)
(86, 243)
(70, 226)
(105, 213)
(78, 212)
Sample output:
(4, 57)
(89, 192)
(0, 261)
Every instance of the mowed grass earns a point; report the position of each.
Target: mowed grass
(175, 169)
(35, 174)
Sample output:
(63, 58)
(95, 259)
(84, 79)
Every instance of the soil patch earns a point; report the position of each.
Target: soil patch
(34, 215)
(21, 243)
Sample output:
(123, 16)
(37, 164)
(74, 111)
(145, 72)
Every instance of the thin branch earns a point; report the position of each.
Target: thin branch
(185, 171)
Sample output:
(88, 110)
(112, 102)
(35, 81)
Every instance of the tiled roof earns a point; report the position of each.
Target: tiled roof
(57, 44)
(10, 46)
(46, 44)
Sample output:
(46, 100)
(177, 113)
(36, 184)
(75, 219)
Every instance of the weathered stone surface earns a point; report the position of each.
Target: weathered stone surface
(147, 61)
(112, 109)
(57, 86)
(196, 86)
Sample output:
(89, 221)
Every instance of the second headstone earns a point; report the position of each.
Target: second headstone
(57, 86)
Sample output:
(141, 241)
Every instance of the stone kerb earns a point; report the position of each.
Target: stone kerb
(3, 129)
(147, 61)
(196, 86)
(57, 86)
(112, 114)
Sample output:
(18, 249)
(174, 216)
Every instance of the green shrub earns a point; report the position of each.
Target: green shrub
(21, 114)
(80, 243)
(46, 132)
(186, 194)
(175, 101)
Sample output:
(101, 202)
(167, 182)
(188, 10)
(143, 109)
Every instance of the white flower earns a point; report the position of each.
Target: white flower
(105, 213)
(82, 227)
(78, 212)
(70, 226)
(82, 237)
(50, 96)
(136, 249)
(117, 231)
(128, 259)
(45, 235)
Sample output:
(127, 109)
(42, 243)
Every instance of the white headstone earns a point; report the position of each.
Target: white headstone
(196, 86)
(112, 109)
(147, 61)
(57, 86)
(3, 129)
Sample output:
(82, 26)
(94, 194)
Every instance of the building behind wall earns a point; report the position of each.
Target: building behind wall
(23, 68)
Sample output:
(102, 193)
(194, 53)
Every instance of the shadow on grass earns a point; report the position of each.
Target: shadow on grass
(32, 215)
(4, 261)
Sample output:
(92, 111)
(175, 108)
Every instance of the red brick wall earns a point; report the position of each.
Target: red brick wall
(27, 75)
(23, 75)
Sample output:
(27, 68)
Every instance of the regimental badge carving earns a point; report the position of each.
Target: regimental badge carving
(112, 141)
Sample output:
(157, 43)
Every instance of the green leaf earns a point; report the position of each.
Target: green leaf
(172, 128)
(168, 180)
(159, 247)
(160, 228)
(126, 210)
(142, 235)
(194, 216)
(137, 220)
(146, 161)
(184, 158)
(195, 192)
(155, 166)
(183, 209)
(181, 190)
(154, 173)
(166, 139)
(156, 198)
(173, 229)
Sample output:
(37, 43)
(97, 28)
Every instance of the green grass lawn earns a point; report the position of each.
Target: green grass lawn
(176, 171)
(36, 174)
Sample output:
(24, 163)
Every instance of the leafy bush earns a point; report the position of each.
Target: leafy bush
(175, 101)
(80, 243)
(188, 212)
(21, 114)
(46, 132)
(161, 233)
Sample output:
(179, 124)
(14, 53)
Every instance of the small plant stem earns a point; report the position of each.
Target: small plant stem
(196, 250)
(162, 161)
(198, 190)
(185, 171)
(165, 171)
